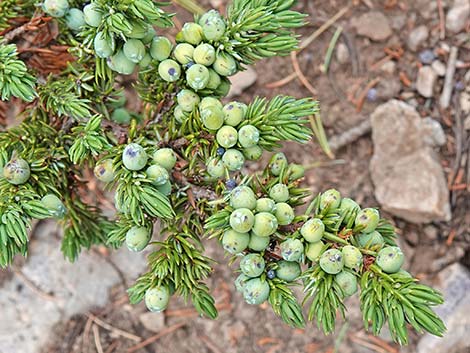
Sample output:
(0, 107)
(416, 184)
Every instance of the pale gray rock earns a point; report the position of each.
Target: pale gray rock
(458, 16)
(439, 68)
(342, 53)
(373, 25)
(28, 318)
(454, 282)
(417, 37)
(154, 322)
(434, 134)
(426, 81)
(409, 180)
(241, 81)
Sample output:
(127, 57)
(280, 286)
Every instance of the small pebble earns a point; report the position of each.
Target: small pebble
(459, 86)
(426, 56)
(439, 67)
(372, 95)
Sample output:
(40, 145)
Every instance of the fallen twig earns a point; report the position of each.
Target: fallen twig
(339, 141)
(444, 101)
(113, 329)
(362, 96)
(31, 285)
(96, 335)
(156, 337)
(300, 75)
(442, 23)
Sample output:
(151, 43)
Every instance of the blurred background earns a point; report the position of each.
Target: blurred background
(392, 78)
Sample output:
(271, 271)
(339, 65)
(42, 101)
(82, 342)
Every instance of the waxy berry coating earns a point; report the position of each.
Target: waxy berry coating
(258, 243)
(92, 15)
(292, 249)
(233, 159)
(104, 171)
(134, 157)
(332, 261)
(204, 54)
(192, 33)
(75, 19)
(256, 291)
(367, 219)
(137, 238)
(370, 240)
(54, 205)
(160, 48)
(252, 265)
(243, 197)
(352, 257)
(134, 50)
(183, 53)
(288, 270)
(284, 213)
(330, 199)
(157, 298)
(17, 171)
(56, 8)
(227, 136)
(169, 70)
(215, 168)
(265, 204)
(279, 193)
(314, 250)
(277, 163)
(242, 220)
(248, 136)
(187, 100)
(390, 259)
(157, 174)
(165, 157)
(265, 224)
(234, 113)
(235, 242)
(313, 230)
(347, 282)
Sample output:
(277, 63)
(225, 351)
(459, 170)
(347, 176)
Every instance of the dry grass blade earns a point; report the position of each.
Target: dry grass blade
(156, 337)
(319, 132)
(300, 74)
(96, 335)
(113, 329)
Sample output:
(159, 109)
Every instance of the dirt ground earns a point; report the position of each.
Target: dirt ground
(251, 329)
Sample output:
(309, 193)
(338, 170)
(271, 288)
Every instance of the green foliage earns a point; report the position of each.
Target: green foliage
(14, 77)
(174, 164)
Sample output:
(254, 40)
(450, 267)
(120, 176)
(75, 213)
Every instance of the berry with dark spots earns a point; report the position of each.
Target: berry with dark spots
(17, 171)
(243, 197)
(292, 249)
(284, 213)
(332, 261)
(137, 238)
(313, 230)
(104, 171)
(314, 250)
(235, 242)
(330, 199)
(367, 220)
(157, 298)
(390, 259)
(252, 265)
(169, 70)
(256, 291)
(279, 193)
(242, 220)
(134, 157)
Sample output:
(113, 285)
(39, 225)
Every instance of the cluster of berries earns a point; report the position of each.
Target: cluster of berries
(254, 224)
(157, 172)
(18, 172)
(197, 56)
(273, 242)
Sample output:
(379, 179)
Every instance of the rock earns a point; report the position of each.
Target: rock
(426, 8)
(154, 322)
(398, 21)
(458, 16)
(431, 232)
(388, 87)
(426, 56)
(241, 81)
(454, 282)
(439, 68)
(425, 81)
(465, 102)
(417, 37)
(389, 67)
(434, 134)
(28, 319)
(466, 123)
(373, 25)
(342, 53)
(409, 180)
